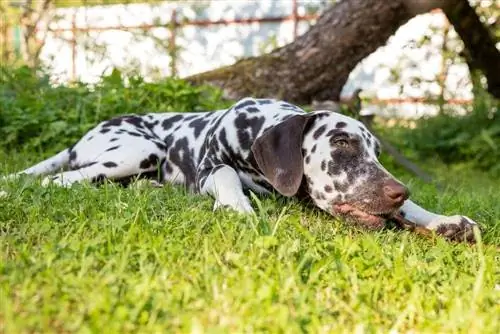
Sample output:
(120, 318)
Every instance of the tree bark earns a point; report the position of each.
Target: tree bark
(317, 64)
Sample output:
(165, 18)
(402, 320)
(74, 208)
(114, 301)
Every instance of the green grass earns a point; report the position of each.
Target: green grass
(146, 260)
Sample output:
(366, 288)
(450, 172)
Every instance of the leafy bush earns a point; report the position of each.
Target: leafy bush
(473, 138)
(38, 116)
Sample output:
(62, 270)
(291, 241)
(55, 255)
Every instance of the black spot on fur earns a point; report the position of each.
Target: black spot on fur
(75, 167)
(169, 140)
(319, 131)
(110, 164)
(322, 115)
(333, 168)
(90, 138)
(169, 122)
(328, 189)
(323, 165)
(117, 121)
(227, 153)
(112, 148)
(264, 101)
(151, 161)
(245, 104)
(104, 130)
(151, 125)
(161, 146)
(308, 159)
(335, 132)
(253, 109)
(72, 156)
(223, 138)
(113, 139)
(181, 155)
(135, 134)
(198, 125)
(319, 195)
(341, 125)
(342, 187)
(313, 148)
(247, 129)
(134, 120)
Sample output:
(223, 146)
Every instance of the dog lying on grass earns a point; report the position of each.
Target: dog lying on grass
(262, 145)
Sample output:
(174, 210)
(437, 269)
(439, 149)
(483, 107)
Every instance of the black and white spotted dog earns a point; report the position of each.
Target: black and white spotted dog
(263, 145)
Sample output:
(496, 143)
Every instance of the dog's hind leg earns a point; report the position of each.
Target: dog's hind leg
(97, 171)
(48, 166)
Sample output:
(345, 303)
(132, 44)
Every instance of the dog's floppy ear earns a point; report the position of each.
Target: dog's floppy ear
(278, 152)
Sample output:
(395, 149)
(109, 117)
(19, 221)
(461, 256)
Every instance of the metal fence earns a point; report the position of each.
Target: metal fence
(174, 22)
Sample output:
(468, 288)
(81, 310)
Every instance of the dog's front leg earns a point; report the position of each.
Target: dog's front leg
(222, 182)
(458, 228)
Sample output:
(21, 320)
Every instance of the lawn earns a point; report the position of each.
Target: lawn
(148, 260)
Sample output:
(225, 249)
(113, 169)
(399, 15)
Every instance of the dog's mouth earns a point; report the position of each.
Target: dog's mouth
(370, 220)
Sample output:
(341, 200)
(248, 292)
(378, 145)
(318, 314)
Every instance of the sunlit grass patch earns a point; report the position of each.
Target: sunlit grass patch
(143, 259)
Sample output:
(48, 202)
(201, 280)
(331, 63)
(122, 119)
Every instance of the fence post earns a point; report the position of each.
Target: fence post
(443, 71)
(172, 45)
(73, 48)
(5, 40)
(294, 18)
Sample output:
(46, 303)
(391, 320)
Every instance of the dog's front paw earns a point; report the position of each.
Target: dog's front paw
(456, 228)
(241, 206)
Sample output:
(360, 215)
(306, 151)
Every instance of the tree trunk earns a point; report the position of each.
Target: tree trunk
(317, 64)
(480, 50)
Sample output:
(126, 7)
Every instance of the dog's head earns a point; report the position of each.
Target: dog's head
(333, 158)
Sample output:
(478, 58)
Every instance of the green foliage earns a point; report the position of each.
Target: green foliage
(473, 138)
(38, 116)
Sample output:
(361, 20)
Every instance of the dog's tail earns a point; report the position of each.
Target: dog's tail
(47, 166)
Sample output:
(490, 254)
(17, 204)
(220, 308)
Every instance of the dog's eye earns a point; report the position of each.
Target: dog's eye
(341, 143)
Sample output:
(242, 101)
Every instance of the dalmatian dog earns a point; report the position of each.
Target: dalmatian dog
(262, 145)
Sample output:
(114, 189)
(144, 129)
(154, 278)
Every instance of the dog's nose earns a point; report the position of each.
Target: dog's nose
(395, 192)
